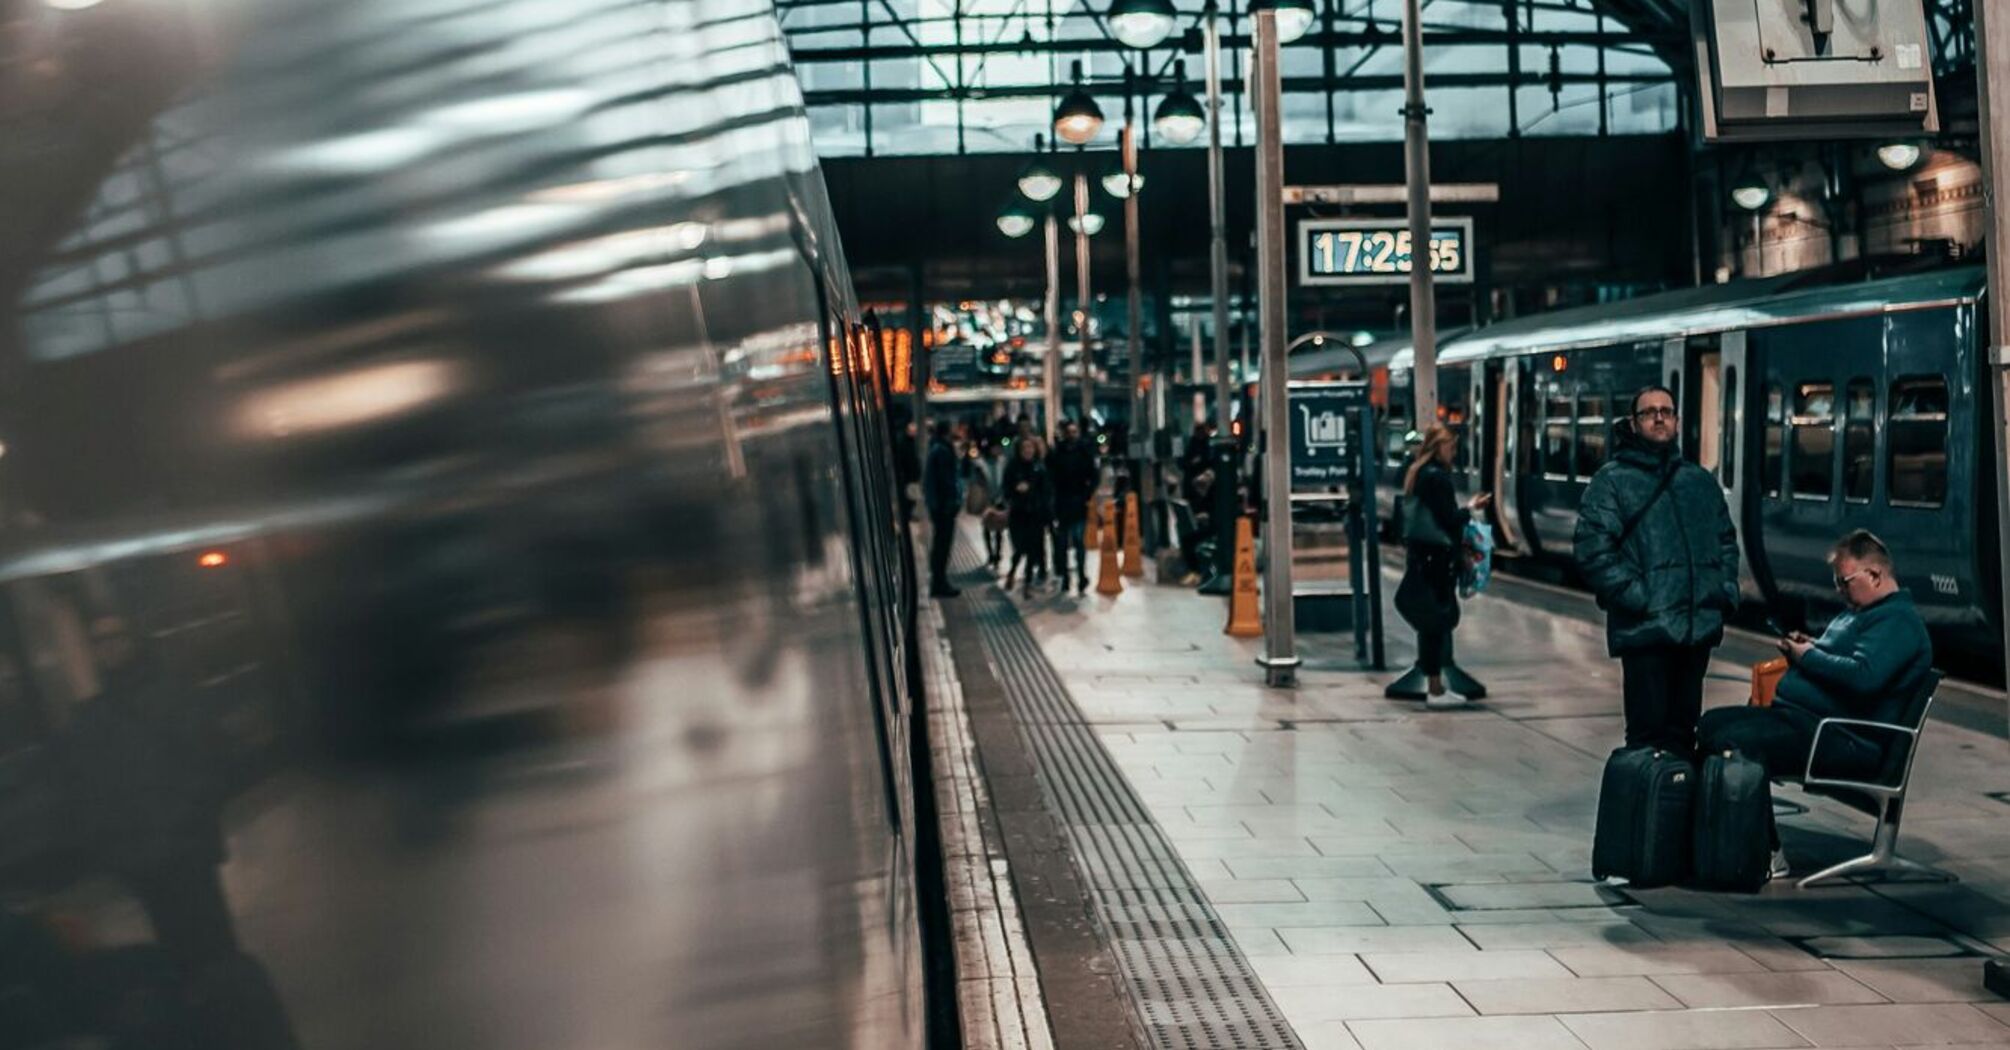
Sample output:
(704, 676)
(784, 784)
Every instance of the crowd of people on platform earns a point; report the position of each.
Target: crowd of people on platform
(1031, 495)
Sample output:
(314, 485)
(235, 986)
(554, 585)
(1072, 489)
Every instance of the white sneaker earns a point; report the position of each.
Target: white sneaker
(1446, 701)
(1778, 868)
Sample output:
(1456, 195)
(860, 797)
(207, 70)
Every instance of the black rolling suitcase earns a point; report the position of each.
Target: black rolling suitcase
(1734, 805)
(1643, 817)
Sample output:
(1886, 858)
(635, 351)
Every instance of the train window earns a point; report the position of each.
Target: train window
(1859, 440)
(1814, 423)
(1591, 431)
(1558, 415)
(1728, 448)
(1917, 430)
(1774, 466)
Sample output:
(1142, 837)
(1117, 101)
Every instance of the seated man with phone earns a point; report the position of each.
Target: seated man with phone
(1871, 658)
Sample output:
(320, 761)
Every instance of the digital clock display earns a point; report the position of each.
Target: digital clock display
(1380, 251)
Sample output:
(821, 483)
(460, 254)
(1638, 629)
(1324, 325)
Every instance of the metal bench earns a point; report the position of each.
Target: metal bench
(1882, 797)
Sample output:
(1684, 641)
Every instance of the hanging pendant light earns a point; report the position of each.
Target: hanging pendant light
(1077, 119)
(1016, 222)
(1038, 181)
(1089, 223)
(1142, 23)
(1179, 119)
(1294, 17)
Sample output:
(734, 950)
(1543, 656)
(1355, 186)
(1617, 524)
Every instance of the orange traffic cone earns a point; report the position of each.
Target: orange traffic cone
(1244, 619)
(1091, 534)
(1109, 578)
(1134, 554)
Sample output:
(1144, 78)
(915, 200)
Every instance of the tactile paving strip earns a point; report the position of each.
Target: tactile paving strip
(1193, 989)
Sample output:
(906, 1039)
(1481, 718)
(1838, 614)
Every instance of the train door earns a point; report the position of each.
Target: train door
(1674, 366)
(1810, 372)
(1732, 454)
(1502, 387)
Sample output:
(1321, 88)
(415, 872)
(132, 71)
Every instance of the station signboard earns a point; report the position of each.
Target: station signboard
(1378, 251)
(1325, 433)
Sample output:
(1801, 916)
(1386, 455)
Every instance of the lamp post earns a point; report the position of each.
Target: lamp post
(1082, 226)
(1417, 169)
(1223, 457)
(1040, 184)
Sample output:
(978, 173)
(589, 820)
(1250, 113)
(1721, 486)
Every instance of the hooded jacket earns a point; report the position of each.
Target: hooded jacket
(1676, 576)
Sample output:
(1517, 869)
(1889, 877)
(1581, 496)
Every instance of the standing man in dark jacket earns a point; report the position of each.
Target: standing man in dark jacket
(940, 491)
(1075, 475)
(1656, 543)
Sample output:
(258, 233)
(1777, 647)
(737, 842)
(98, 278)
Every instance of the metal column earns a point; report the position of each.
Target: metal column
(1224, 455)
(1050, 376)
(1280, 654)
(1417, 168)
(1217, 220)
(1992, 77)
(1083, 306)
(1134, 306)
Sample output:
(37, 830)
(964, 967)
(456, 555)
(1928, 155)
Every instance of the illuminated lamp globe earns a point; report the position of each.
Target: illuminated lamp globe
(71, 5)
(1089, 223)
(1116, 185)
(1016, 222)
(1900, 156)
(1039, 183)
(1077, 119)
(1179, 120)
(1142, 23)
(1752, 194)
(1294, 17)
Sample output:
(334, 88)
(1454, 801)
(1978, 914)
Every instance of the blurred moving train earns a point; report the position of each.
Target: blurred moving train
(451, 586)
(1820, 405)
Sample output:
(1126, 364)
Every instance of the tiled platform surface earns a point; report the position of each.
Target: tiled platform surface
(1404, 879)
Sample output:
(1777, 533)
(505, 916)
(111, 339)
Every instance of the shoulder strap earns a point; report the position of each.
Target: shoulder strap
(1633, 521)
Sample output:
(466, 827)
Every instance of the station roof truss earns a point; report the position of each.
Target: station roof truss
(963, 76)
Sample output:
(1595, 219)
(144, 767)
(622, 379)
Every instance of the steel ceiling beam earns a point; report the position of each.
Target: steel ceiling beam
(1336, 40)
(1292, 85)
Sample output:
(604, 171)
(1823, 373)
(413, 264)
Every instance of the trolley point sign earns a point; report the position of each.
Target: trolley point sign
(1324, 433)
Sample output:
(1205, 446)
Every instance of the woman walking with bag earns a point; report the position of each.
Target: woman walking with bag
(1433, 529)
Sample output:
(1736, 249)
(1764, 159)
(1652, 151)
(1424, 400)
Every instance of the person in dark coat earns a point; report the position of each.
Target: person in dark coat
(1434, 534)
(1866, 665)
(1075, 475)
(939, 489)
(1195, 460)
(1655, 541)
(1029, 501)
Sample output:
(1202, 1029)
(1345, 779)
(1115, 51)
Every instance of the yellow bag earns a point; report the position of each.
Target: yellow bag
(1766, 678)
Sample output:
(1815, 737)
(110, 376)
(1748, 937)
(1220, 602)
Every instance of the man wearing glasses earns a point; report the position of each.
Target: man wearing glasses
(1656, 543)
(1868, 662)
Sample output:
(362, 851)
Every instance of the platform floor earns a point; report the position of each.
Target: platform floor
(1402, 879)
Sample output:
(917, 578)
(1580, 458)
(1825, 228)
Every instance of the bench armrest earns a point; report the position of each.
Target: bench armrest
(1815, 749)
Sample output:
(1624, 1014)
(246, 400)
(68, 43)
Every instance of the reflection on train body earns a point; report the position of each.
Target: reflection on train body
(450, 590)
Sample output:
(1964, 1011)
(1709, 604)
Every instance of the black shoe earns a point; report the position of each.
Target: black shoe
(943, 592)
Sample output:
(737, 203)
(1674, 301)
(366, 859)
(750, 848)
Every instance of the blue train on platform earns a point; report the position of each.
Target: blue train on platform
(1820, 405)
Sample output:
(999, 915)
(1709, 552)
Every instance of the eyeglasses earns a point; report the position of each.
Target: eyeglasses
(1842, 582)
(1656, 412)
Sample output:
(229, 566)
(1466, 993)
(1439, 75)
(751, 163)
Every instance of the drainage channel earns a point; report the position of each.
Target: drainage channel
(1193, 989)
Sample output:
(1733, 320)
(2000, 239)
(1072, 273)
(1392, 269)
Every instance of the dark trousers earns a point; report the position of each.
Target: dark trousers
(1071, 535)
(1775, 737)
(1664, 696)
(994, 547)
(939, 543)
(1434, 651)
